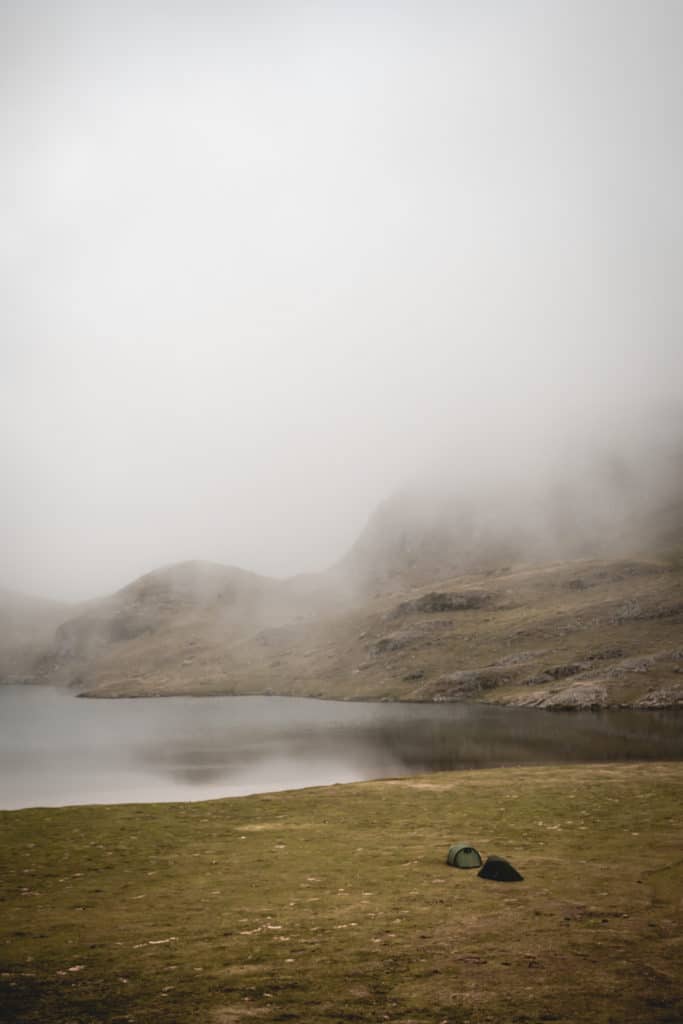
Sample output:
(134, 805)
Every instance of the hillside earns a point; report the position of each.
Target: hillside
(592, 507)
(576, 634)
(556, 593)
(171, 623)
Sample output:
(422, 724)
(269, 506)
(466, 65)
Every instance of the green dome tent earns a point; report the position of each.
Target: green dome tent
(462, 855)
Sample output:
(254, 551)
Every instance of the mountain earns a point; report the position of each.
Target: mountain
(583, 633)
(174, 623)
(580, 508)
(563, 590)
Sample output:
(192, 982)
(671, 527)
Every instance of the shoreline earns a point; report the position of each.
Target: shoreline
(567, 707)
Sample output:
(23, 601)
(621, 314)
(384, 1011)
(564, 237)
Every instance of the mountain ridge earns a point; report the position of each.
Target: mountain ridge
(386, 620)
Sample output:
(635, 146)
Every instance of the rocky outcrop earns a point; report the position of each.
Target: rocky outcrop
(442, 601)
(666, 697)
(466, 684)
(580, 696)
(397, 641)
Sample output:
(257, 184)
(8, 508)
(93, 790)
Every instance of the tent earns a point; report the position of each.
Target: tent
(462, 855)
(498, 869)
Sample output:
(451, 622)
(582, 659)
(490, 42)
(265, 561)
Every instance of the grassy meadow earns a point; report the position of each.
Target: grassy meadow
(336, 904)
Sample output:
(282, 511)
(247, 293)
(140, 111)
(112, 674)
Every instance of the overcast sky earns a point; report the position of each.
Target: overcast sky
(262, 262)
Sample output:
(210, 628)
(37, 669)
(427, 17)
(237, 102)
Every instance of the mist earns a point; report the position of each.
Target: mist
(266, 264)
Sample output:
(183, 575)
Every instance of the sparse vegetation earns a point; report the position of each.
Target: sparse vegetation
(336, 904)
(571, 634)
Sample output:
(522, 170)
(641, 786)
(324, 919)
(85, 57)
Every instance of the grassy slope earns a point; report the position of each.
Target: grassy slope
(540, 619)
(335, 904)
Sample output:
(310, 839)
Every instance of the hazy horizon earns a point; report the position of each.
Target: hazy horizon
(266, 265)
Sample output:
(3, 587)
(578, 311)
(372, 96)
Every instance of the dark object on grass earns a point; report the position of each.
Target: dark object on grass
(462, 855)
(498, 869)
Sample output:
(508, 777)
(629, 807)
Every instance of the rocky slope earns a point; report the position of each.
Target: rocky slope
(177, 623)
(523, 595)
(583, 634)
(582, 510)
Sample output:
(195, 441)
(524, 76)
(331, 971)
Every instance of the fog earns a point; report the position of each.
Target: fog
(264, 263)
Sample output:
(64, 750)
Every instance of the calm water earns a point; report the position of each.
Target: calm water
(57, 749)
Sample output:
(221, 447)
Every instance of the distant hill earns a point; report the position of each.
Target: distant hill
(572, 634)
(27, 624)
(564, 590)
(574, 510)
(181, 622)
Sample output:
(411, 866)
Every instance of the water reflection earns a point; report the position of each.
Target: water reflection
(55, 749)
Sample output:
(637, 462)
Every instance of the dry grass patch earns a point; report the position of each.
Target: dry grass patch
(343, 909)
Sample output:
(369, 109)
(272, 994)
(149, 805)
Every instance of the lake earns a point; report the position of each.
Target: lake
(57, 749)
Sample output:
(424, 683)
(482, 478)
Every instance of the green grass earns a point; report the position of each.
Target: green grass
(336, 904)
